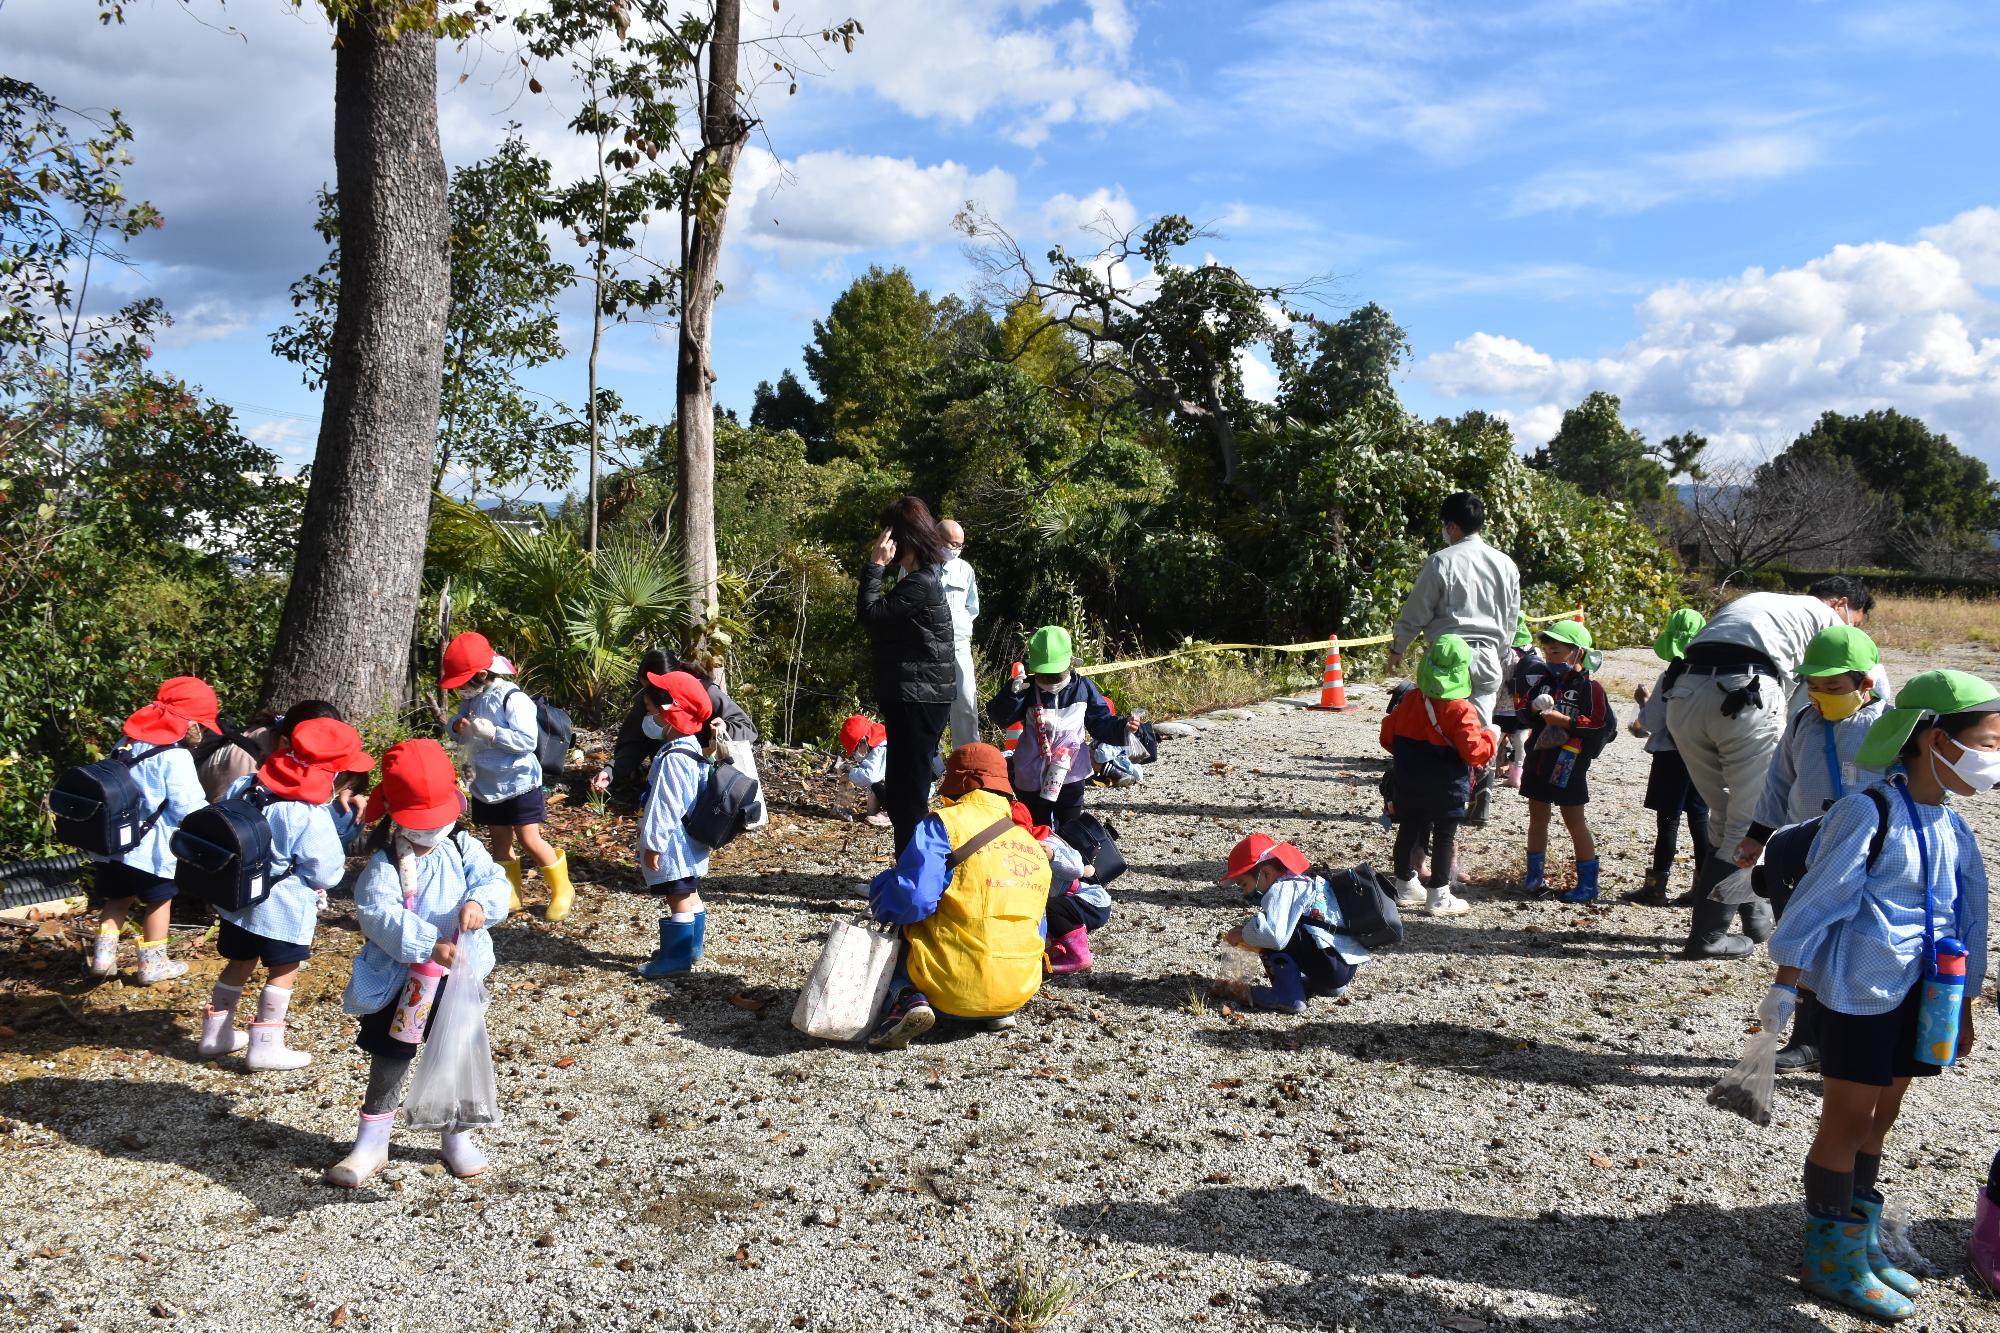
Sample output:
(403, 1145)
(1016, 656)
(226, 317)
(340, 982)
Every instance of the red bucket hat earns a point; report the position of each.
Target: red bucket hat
(164, 721)
(419, 787)
(465, 656)
(690, 707)
(858, 730)
(320, 748)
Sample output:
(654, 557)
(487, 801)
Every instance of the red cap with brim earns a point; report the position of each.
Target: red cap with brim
(164, 721)
(321, 747)
(1244, 856)
(1291, 858)
(465, 656)
(419, 787)
(690, 707)
(858, 731)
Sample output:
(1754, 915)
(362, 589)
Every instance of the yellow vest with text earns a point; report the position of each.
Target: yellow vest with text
(980, 954)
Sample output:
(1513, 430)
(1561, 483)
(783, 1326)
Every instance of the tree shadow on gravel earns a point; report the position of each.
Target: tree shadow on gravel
(1470, 939)
(1249, 810)
(1690, 1266)
(1486, 1052)
(197, 1130)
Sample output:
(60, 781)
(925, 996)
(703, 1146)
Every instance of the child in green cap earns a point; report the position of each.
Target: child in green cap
(1670, 792)
(1436, 744)
(1063, 713)
(1870, 932)
(1570, 720)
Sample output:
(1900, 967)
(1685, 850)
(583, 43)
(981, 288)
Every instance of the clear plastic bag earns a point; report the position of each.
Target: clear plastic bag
(1735, 888)
(454, 1087)
(1746, 1089)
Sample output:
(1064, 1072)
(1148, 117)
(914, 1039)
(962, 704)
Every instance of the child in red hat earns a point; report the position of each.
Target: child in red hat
(427, 900)
(865, 742)
(294, 788)
(500, 727)
(1296, 930)
(672, 862)
(159, 745)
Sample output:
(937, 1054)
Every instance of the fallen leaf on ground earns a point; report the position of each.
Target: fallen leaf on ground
(1599, 1160)
(566, 1062)
(744, 1000)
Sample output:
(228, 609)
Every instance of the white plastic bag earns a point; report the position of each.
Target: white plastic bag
(1746, 1089)
(1735, 888)
(844, 993)
(454, 1087)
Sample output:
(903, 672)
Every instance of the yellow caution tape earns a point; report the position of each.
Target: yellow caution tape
(1311, 646)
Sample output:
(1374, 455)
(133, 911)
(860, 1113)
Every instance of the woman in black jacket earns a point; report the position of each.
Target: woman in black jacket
(915, 673)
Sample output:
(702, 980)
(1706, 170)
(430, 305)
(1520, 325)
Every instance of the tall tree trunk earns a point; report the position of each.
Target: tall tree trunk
(724, 132)
(351, 610)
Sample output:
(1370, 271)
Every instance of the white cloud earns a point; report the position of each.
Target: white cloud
(1751, 360)
(1709, 170)
(1260, 381)
(841, 202)
(1063, 215)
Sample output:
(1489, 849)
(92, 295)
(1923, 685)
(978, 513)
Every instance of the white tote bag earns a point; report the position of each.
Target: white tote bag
(845, 992)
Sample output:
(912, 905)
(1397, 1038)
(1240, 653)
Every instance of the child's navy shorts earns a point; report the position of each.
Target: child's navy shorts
(243, 946)
(115, 879)
(530, 807)
(676, 888)
(1875, 1049)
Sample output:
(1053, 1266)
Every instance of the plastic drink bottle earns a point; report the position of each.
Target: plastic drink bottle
(1942, 1002)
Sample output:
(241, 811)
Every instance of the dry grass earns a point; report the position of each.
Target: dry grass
(1202, 682)
(1925, 624)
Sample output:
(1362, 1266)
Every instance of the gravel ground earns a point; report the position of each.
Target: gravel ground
(1502, 1127)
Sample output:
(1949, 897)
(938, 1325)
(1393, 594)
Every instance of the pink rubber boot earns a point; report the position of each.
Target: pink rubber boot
(1982, 1251)
(1070, 953)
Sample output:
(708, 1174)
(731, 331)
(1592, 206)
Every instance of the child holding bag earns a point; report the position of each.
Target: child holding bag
(672, 862)
(1063, 713)
(1570, 719)
(426, 900)
(1296, 928)
(1894, 949)
(295, 789)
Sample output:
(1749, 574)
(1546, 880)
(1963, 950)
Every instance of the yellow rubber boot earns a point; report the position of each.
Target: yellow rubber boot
(556, 875)
(512, 865)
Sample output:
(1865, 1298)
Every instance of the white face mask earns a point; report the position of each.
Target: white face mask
(1977, 769)
(422, 839)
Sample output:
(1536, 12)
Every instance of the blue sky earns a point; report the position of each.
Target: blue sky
(1734, 215)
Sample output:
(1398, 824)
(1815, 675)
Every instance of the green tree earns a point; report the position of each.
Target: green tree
(1600, 455)
(502, 322)
(789, 405)
(1338, 366)
(1934, 485)
(871, 357)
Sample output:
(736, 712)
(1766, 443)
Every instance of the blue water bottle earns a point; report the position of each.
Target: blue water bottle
(1942, 1002)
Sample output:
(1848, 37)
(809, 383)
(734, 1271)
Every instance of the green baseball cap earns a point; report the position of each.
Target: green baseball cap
(1523, 636)
(1446, 671)
(1933, 694)
(1049, 651)
(1682, 626)
(1838, 650)
(1569, 632)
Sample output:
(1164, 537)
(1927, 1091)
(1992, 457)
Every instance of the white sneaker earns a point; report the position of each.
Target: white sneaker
(1409, 893)
(1442, 902)
(268, 1049)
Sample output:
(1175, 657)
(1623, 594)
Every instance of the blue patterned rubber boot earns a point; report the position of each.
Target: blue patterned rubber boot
(680, 948)
(1869, 1203)
(1287, 992)
(1836, 1267)
(1586, 883)
(1537, 880)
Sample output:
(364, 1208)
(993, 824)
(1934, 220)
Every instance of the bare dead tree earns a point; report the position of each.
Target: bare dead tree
(1749, 514)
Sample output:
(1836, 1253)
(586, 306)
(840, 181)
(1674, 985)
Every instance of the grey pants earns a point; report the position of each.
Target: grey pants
(965, 703)
(1488, 675)
(1729, 758)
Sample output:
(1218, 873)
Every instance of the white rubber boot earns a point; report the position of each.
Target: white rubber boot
(218, 1024)
(461, 1155)
(1409, 893)
(104, 952)
(371, 1152)
(267, 1034)
(1442, 902)
(155, 966)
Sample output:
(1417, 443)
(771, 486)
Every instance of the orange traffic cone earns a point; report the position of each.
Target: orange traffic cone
(1579, 613)
(1332, 685)
(1012, 736)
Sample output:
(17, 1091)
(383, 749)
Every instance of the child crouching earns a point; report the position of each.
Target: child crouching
(1076, 904)
(865, 742)
(294, 787)
(1295, 930)
(426, 901)
(1437, 743)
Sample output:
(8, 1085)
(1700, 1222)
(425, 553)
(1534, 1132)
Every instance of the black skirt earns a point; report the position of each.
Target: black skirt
(1668, 786)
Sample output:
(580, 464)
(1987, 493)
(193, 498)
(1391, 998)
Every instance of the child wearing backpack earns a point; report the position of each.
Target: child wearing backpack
(672, 862)
(427, 901)
(1077, 903)
(1884, 943)
(1569, 722)
(158, 748)
(865, 742)
(1436, 744)
(1670, 792)
(1063, 713)
(1295, 930)
(1506, 715)
(295, 789)
(500, 727)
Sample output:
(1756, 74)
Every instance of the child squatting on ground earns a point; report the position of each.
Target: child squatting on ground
(1569, 723)
(426, 900)
(673, 863)
(1295, 930)
(295, 789)
(497, 723)
(158, 747)
(1873, 940)
(1437, 744)
(1077, 905)
(865, 742)
(1670, 791)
